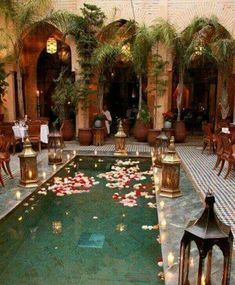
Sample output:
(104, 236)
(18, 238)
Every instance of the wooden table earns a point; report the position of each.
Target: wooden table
(98, 136)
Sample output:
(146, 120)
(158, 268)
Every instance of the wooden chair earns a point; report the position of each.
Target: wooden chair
(5, 157)
(209, 138)
(219, 150)
(34, 129)
(227, 155)
(232, 132)
(7, 131)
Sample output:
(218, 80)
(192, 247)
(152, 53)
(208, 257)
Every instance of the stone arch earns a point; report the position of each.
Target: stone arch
(181, 16)
(34, 43)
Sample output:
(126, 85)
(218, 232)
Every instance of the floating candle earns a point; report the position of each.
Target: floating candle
(68, 156)
(18, 195)
(162, 204)
(95, 152)
(44, 175)
(54, 167)
(137, 153)
(163, 224)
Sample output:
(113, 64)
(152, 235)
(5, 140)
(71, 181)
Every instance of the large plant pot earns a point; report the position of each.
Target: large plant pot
(180, 131)
(152, 136)
(141, 131)
(67, 130)
(85, 136)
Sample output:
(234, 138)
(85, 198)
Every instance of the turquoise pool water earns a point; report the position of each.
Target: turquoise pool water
(76, 239)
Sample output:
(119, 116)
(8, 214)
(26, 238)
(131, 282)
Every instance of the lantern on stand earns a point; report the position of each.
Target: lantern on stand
(120, 141)
(55, 148)
(207, 231)
(28, 166)
(170, 172)
(160, 148)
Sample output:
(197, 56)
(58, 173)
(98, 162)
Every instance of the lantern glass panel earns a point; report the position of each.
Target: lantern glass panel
(55, 149)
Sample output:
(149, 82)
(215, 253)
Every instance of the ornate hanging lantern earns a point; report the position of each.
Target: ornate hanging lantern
(170, 172)
(28, 166)
(55, 148)
(120, 138)
(51, 45)
(207, 231)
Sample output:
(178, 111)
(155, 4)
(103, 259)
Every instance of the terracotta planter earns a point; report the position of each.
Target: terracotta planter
(85, 136)
(152, 136)
(180, 131)
(141, 131)
(67, 130)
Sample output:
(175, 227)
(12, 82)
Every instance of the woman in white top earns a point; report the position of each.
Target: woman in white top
(108, 118)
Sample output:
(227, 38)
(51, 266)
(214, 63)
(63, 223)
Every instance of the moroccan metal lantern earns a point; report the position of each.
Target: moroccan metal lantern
(55, 148)
(51, 46)
(120, 141)
(208, 233)
(160, 148)
(28, 166)
(171, 172)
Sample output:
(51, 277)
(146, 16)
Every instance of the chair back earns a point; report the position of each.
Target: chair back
(207, 129)
(34, 129)
(227, 145)
(219, 144)
(232, 132)
(4, 144)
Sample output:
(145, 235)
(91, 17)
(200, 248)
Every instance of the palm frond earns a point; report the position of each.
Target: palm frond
(106, 53)
(141, 48)
(165, 32)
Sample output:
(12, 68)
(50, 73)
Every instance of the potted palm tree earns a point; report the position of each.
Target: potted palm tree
(159, 90)
(142, 46)
(65, 101)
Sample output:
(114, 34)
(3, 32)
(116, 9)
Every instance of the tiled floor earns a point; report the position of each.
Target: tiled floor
(176, 212)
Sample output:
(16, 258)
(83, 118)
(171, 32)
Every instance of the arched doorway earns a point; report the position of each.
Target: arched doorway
(118, 79)
(49, 67)
(208, 68)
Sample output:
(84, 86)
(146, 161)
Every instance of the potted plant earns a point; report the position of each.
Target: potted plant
(65, 101)
(98, 121)
(159, 90)
(168, 118)
(143, 124)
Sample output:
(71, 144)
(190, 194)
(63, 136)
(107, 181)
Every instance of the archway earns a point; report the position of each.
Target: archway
(205, 77)
(119, 80)
(49, 67)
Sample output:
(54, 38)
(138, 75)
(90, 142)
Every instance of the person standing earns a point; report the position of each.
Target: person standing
(107, 118)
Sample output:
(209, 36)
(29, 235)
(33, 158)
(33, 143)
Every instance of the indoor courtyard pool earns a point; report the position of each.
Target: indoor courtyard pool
(94, 222)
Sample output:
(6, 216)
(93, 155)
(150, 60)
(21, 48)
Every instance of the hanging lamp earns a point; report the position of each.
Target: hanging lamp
(51, 45)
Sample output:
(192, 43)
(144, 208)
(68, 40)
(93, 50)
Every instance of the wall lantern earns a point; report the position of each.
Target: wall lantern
(120, 141)
(207, 231)
(51, 45)
(55, 148)
(170, 172)
(28, 166)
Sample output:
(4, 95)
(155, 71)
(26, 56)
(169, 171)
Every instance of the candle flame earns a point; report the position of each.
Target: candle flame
(30, 174)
